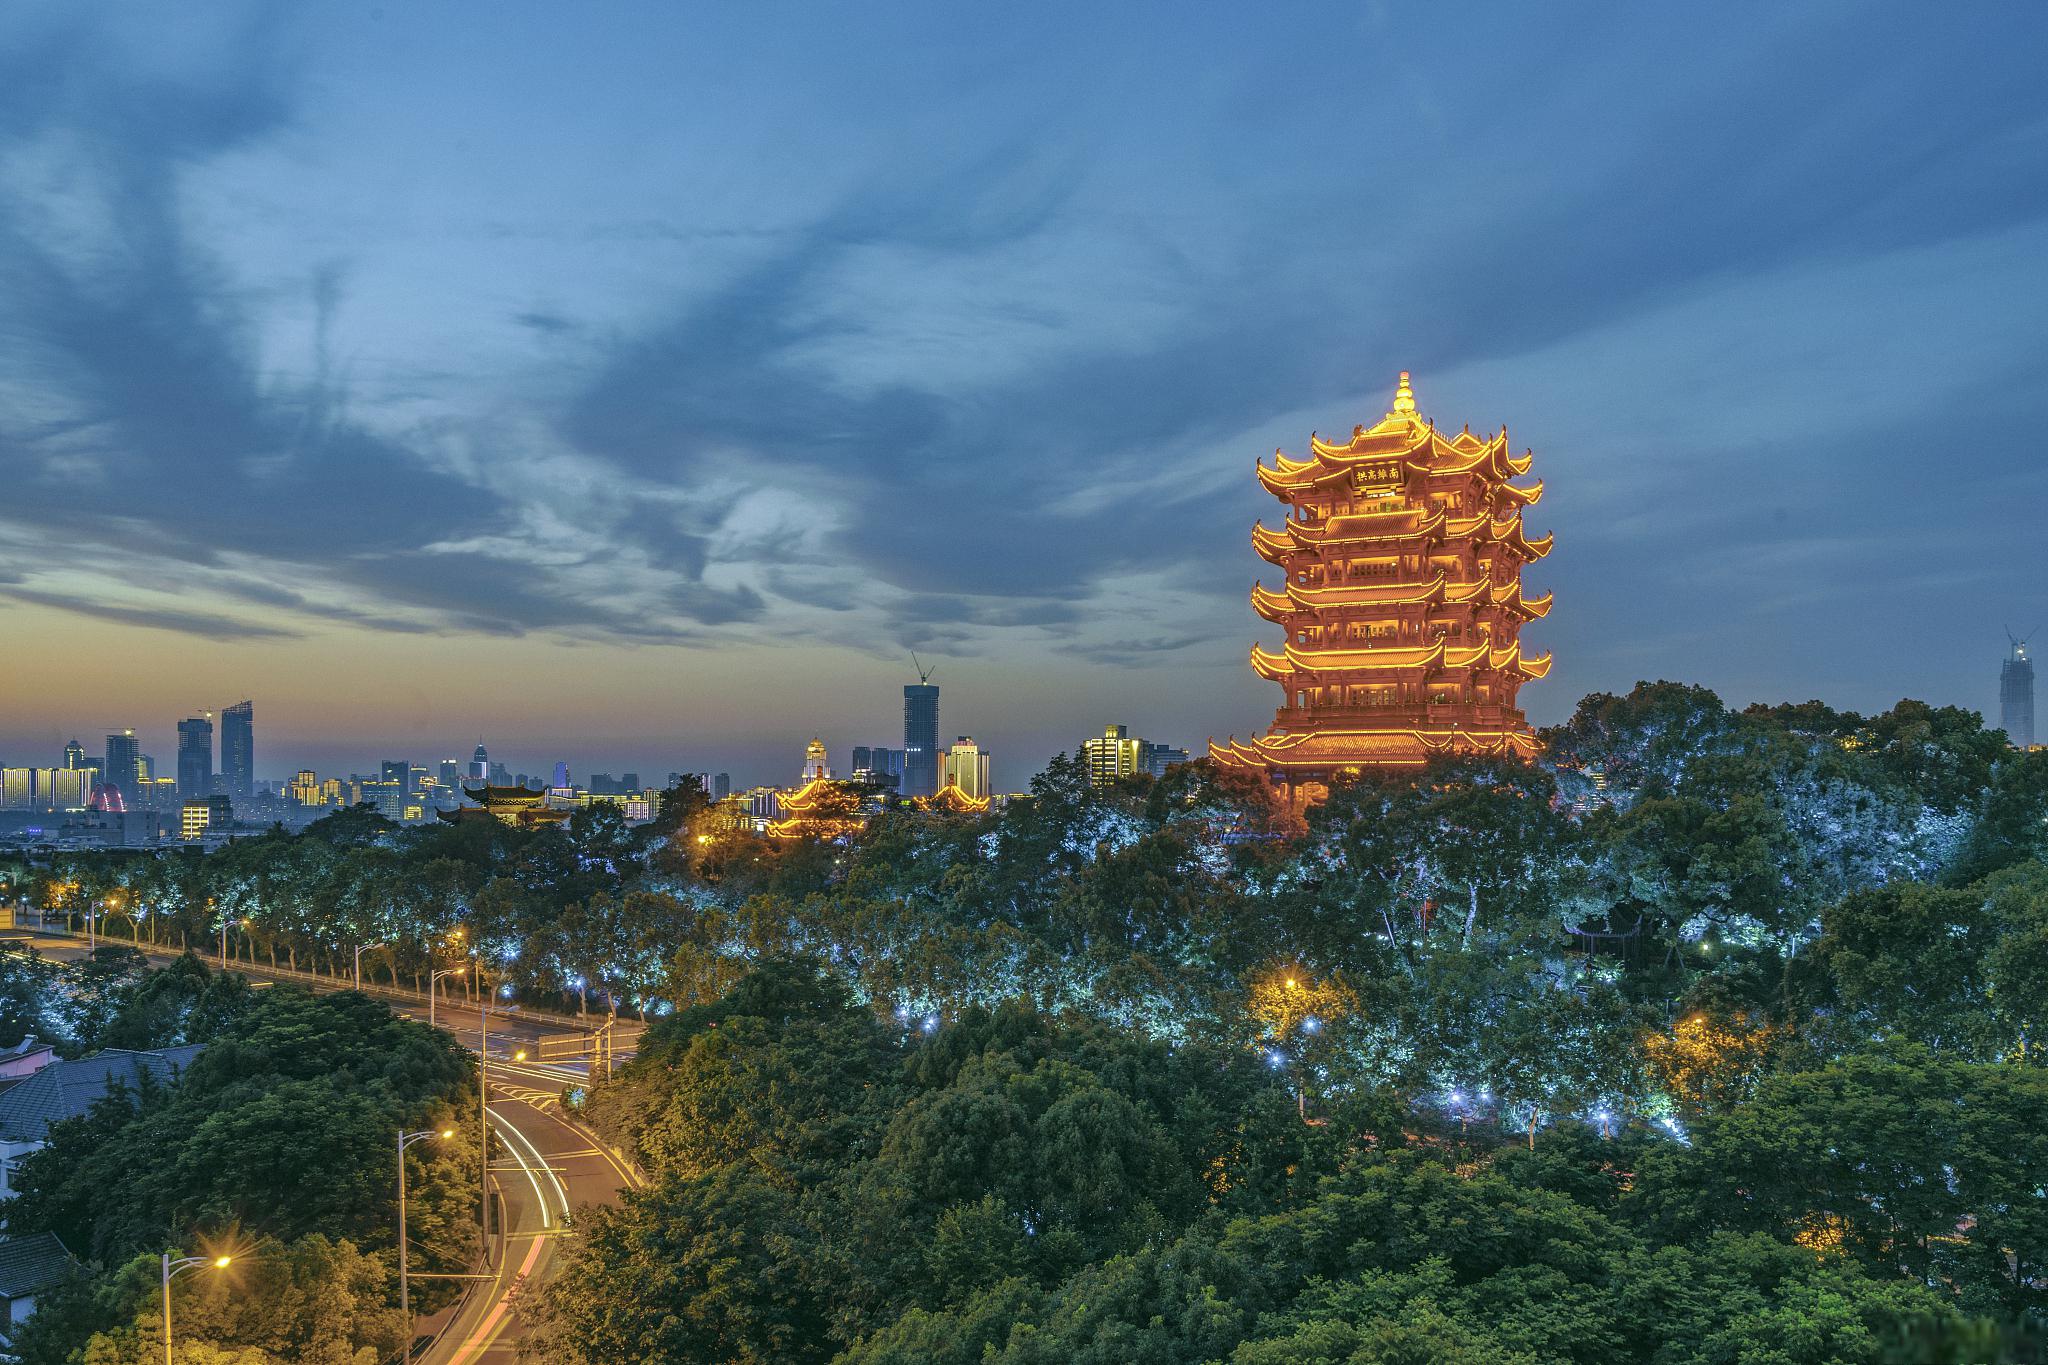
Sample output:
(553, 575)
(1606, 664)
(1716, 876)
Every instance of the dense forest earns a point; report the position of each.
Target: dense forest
(1711, 1036)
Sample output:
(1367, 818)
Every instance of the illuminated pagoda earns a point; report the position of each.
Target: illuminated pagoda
(1403, 608)
(519, 807)
(821, 809)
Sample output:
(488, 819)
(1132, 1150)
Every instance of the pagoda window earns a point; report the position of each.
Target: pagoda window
(1301, 698)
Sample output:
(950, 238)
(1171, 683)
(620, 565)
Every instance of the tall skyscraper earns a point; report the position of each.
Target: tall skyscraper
(815, 766)
(238, 750)
(397, 771)
(195, 756)
(451, 774)
(480, 764)
(561, 776)
(120, 772)
(2016, 695)
(74, 756)
(920, 739)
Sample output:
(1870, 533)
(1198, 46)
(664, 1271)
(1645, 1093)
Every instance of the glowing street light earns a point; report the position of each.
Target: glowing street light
(171, 1270)
(405, 1140)
(446, 971)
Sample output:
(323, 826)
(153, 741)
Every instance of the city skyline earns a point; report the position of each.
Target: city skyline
(345, 419)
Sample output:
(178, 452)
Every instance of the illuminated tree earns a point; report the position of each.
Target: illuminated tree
(1286, 997)
(1709, 1066)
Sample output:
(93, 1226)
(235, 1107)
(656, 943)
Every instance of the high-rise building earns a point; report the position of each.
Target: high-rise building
(480, 764)
(721, 786)
(195, 756)
(451, 774)
(630, 782)
(561, 777)
(120, 771)
(238, 750)
(1157, 758)
(966, 766)
(74, 756)
(1114, 755)
(815, 767)
(395, 770)
(2016, 695)
(196, 817)
(1402, 603)
(305, 789)
(920, 739)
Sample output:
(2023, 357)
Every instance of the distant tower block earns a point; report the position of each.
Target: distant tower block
(2016, 694)
(1402, 603)
(815, 766)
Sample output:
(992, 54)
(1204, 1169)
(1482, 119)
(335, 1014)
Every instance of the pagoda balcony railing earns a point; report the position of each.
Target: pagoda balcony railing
(1404, 715)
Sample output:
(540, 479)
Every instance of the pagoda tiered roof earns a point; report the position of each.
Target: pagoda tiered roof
(519, 807)
(1403, 549)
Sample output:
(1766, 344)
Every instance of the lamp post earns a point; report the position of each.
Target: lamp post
(223, 936)
(405, 1140)
(172, 1269)
(359, 960)
(483, 1106)
(446, 971)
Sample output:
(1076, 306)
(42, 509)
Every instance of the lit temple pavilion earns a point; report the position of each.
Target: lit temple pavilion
(519, 807)
(1403, 607)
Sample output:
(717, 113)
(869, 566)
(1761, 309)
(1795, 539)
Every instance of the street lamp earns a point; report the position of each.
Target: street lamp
(359, 960)
(483, 1110)
(405, 1140)
(445, 971)
(172, 1269)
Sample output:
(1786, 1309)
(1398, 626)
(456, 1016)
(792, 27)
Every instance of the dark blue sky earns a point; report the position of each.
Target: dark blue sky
(638, 384)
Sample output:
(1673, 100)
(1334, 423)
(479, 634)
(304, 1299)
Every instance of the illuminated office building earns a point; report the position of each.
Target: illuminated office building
(1115, 755)
(966, 766)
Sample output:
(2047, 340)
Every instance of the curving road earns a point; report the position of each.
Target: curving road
(547, 1166)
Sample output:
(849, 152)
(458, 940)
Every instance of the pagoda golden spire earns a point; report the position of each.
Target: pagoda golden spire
(1402, 602)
